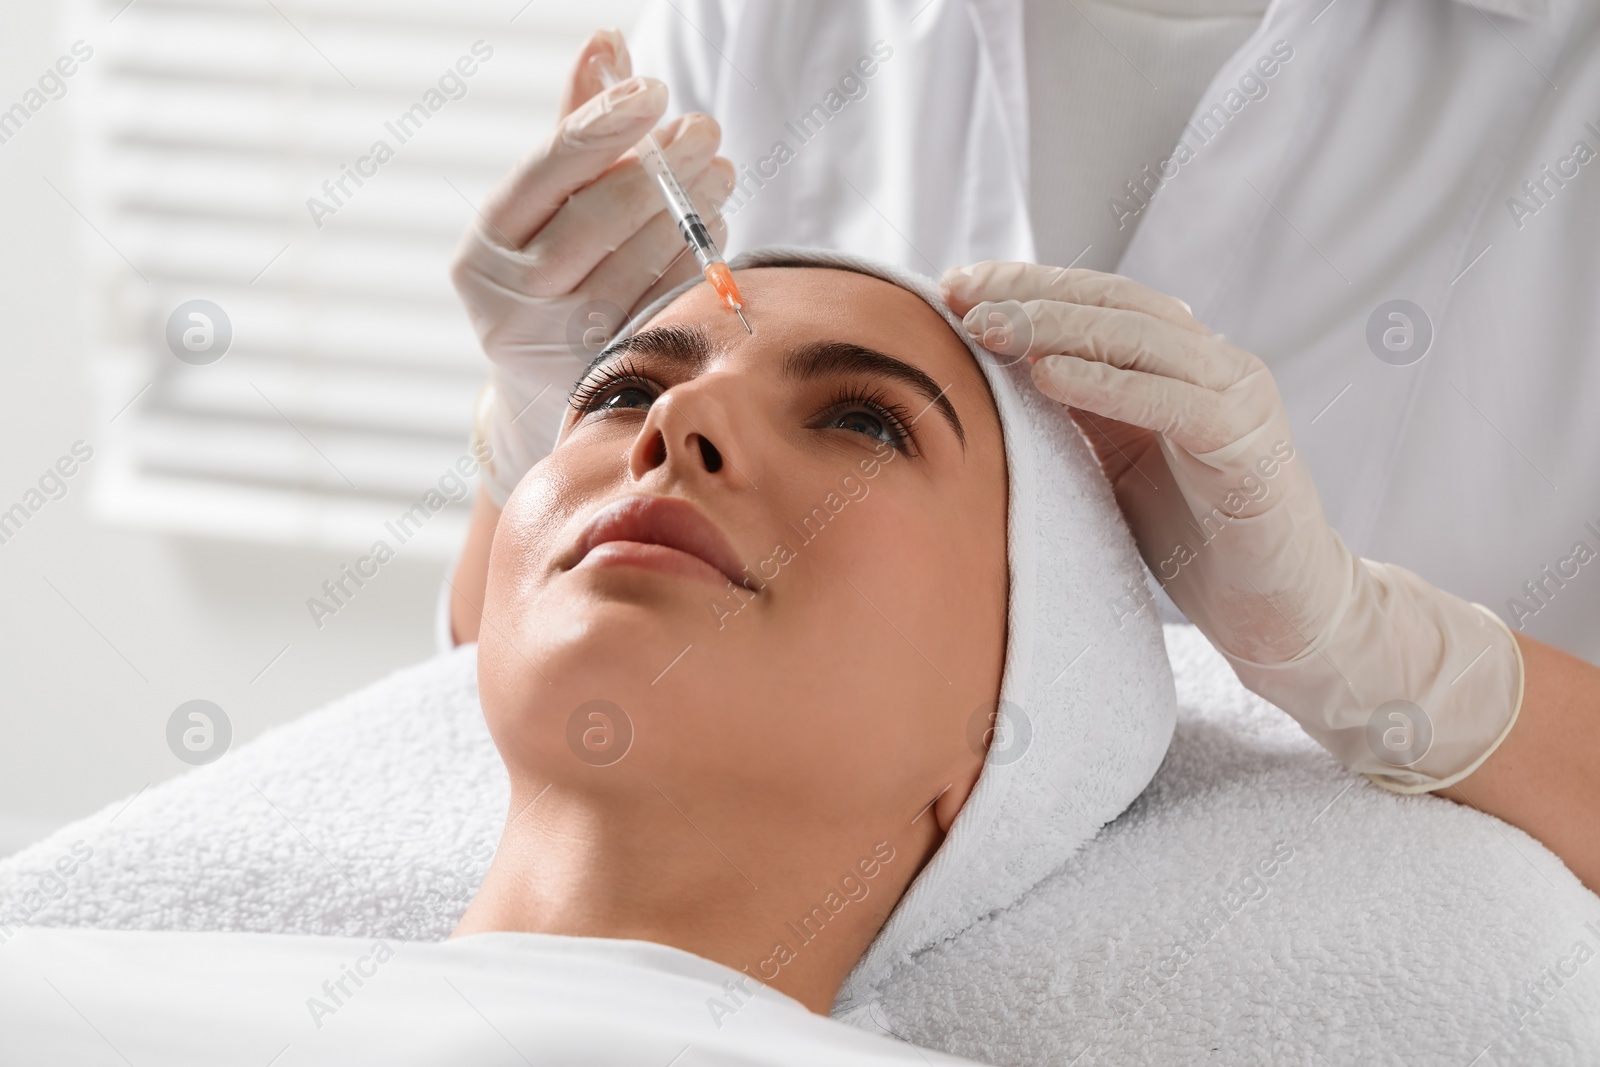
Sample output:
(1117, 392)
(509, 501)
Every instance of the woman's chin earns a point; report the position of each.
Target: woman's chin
(592, 646)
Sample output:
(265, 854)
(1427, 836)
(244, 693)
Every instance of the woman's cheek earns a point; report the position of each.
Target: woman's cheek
(551, 500)
(907, 542)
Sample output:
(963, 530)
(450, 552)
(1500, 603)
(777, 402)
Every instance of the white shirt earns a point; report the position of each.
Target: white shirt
(1347, 154)
(1110, 85)
(202, 999)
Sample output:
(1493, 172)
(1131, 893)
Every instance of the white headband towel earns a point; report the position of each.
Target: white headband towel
(1087, 703)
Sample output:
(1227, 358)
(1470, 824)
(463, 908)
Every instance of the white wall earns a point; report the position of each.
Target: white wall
(136, 623)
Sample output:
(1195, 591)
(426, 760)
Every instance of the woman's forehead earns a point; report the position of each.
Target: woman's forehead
(789, 306)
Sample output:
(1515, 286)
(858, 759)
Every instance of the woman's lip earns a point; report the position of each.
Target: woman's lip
(652, 557)
(661, 533)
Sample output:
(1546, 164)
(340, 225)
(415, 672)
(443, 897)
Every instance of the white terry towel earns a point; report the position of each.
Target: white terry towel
(1390, 929)
(1259, 904)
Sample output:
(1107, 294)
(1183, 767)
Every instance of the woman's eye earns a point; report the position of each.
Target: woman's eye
(614, 389)
(628, 396)
(864, 422)
(871, 416)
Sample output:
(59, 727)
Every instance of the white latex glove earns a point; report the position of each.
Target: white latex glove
(1191, 432)
(571, 243)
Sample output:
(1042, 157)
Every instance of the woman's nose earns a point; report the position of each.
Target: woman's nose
(689, 428)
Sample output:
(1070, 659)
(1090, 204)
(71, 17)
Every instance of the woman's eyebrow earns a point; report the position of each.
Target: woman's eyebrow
(690, 347)
(822, 359)
(677, 343)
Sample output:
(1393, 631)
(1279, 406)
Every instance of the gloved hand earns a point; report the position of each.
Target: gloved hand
(1195, 440)
(571, 243)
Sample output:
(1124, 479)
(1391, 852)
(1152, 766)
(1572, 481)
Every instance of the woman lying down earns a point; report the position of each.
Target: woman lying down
(728, 760)
(733, 743)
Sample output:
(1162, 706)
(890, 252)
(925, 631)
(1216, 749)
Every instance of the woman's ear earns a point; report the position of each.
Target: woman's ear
(950, 802)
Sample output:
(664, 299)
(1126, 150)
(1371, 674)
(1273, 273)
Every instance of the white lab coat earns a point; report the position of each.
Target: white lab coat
(1386, 160)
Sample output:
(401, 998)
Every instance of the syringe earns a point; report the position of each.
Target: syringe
(682, 210)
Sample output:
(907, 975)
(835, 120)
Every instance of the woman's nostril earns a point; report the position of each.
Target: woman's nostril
(709, 453)
(658, 450)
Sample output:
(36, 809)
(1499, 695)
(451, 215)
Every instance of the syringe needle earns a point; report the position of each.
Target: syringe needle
(740, 312)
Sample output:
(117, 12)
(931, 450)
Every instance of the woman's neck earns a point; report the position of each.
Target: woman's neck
(791, 905)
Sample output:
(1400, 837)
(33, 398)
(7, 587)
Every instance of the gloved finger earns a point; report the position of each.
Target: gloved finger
(584, 82)
(656, 257)
(1195, 419)
(995, 280)
(1118, 446)
(585, 144)
(1127, 339)
(597, 219)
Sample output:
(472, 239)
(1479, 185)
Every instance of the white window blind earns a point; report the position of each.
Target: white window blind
(206, 125)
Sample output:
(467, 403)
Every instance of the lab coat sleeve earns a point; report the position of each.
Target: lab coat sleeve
(682, 43)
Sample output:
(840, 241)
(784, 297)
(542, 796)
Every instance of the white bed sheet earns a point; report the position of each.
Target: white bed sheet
(84, 997)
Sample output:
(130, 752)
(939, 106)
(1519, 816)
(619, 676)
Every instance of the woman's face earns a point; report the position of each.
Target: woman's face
(774, 558)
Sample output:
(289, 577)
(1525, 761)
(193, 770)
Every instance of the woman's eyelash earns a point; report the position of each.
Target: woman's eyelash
(588, 394)
(895, 417)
